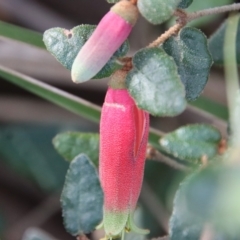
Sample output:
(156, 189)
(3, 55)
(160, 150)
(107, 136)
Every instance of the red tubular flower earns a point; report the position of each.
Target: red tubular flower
(123, 140)
(109, 35)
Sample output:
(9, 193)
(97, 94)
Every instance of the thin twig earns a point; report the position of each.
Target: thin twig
(183, 18)
(154, 154)
(170, 32)
(212, 11)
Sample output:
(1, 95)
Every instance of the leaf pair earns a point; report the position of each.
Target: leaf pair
(188, 144)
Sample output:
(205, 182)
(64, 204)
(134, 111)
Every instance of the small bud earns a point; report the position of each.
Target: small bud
(109, 35)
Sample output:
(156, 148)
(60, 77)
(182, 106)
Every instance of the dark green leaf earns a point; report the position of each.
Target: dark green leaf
(190, 143)
(65, 45)
(82, 197)
(27, 150)
(21, 34)
(185, 3)
(71, 144)
(190, 52)
(157, 11)
(216, 44)
(154, 83)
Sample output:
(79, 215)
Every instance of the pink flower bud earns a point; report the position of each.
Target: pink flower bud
(109, 35)
(123, 140)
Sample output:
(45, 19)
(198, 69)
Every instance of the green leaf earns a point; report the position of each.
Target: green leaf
(183, 224)
(21, 34)
(65, 45)
(190, 143)
(190, 52)
(63, 99)
(209, 196)
(71, 144)
(82, 197)
(216, 44)
(185, 3)
(157, 11)
(154, 83)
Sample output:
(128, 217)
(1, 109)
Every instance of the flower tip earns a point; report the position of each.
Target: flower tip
(74, 79)
(79, 74)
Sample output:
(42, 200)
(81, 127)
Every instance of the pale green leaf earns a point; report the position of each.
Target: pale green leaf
(71, 144)
(190, 143)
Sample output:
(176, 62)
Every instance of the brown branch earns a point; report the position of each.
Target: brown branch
(153, 154)
(170, 32)
(183, 18)
(134, 2)
(127, 63)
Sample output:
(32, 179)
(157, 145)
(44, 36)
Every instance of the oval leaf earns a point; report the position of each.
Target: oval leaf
(216, 44)
(157, 11)
(64, 45)
(154, 83)
(190, 143)
(190, 52)
(71, 144)
(82, 197)
(185, 3)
